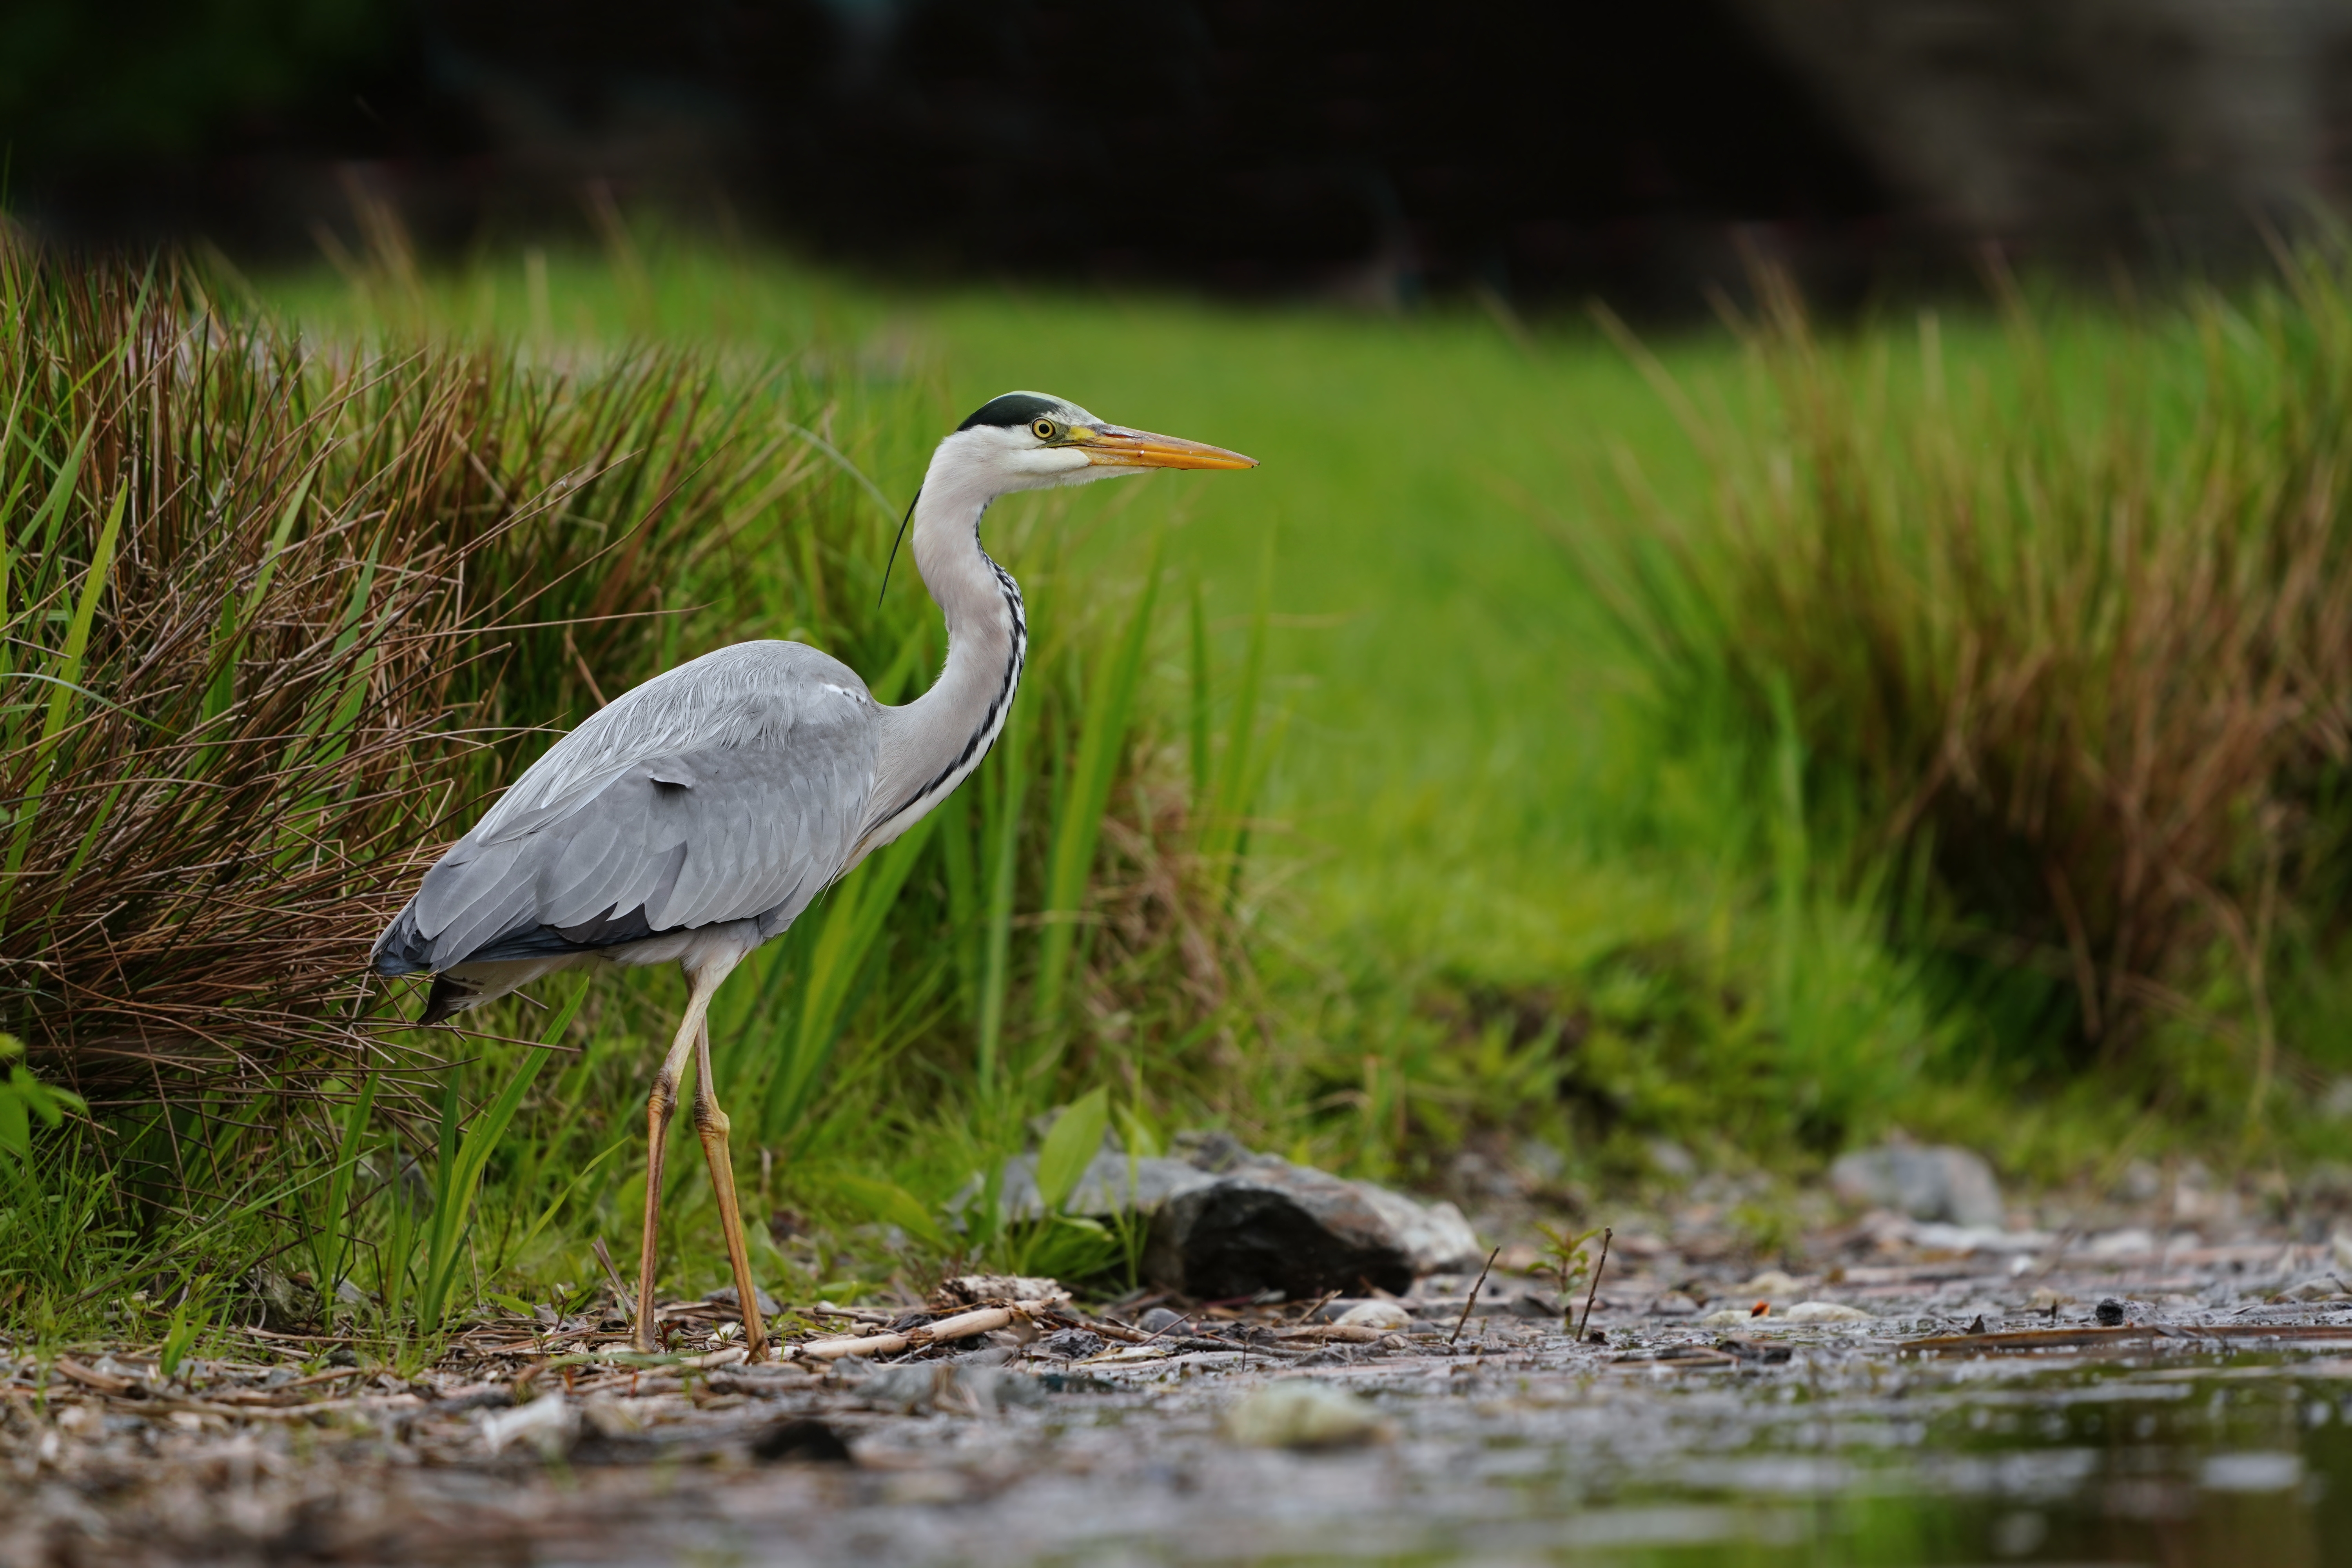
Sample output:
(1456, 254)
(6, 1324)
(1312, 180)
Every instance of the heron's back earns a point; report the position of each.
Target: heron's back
(730, 788)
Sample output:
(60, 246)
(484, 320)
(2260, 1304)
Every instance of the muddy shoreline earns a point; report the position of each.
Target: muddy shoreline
(1977, 1395)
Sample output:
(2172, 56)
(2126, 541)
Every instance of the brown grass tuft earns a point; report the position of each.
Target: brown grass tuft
(2093, 662)
(264, 598)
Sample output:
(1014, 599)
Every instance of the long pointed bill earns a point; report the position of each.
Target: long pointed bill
(1117, 449)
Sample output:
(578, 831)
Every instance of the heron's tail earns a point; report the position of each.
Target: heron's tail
(402, 949)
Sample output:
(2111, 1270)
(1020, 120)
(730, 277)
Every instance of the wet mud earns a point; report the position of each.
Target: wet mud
(2084, 1403)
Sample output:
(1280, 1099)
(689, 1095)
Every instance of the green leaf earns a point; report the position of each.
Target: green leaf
(16, 1127)
(1070, 1147)
(892, 1204)
(185, 1326)
(24, 1097)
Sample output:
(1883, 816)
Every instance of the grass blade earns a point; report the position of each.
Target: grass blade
(1102, 747)
(463, 1167)
(1075, 1138)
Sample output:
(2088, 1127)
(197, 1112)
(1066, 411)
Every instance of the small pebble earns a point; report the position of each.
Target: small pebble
(1299, 1413)
(1160, 1320)
(1824, 1313)
(1376, 1315)
(1071, 1344)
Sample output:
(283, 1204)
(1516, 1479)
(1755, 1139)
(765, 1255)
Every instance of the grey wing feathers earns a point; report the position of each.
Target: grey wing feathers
(729, 788)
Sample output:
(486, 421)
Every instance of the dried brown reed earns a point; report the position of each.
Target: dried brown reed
(262, 598)
(2092, 662)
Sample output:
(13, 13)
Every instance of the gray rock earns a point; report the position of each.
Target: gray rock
(1927, 1183)
(1071, 1344)
(1671, 1160)
(725, 1297)
(1113, 1184)
(276, 1302)
(1270, 1224)
(915, 1388)
(1434, 1237)
(1228, 1223)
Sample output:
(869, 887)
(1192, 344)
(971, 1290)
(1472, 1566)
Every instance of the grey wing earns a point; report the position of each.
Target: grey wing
(732, 788)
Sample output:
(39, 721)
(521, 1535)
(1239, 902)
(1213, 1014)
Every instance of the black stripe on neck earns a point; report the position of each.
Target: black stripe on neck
(975, 748)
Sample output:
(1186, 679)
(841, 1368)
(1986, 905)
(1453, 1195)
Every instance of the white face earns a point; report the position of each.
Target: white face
(1040, 454)
(1031, 441)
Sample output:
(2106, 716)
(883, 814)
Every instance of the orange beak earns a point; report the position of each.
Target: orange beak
(1117, 449)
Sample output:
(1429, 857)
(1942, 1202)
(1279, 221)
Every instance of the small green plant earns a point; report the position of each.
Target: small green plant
(187, 1326)
(25, 1099)
(1567, 1257)
(1058, 1243)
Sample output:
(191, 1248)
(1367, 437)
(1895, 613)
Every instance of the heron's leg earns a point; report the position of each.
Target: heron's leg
(710, 1123)
(660, 1106)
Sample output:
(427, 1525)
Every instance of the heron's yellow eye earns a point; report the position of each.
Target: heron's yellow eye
(1044, 429)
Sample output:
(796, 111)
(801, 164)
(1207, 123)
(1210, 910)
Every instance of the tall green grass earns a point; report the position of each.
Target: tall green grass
(300, 600)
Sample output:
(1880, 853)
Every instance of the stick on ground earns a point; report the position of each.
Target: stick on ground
(1605, 1235)
(1473, 1300)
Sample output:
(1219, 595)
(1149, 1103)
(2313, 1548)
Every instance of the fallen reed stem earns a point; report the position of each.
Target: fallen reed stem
(1594, 1290)
(1472, 1299)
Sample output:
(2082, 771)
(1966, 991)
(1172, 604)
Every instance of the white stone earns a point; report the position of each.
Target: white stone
(1376, 1315)
(1824, 1313)
(548, 1423)
(1299, 1413)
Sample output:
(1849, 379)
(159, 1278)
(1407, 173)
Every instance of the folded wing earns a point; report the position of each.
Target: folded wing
(730, 788)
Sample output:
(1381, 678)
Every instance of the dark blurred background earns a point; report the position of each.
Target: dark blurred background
(1371, 150)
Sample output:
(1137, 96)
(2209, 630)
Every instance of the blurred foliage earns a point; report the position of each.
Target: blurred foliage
(173, 76)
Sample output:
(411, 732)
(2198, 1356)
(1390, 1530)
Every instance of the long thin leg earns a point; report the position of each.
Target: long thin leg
(660, 1105)
(710, 1123)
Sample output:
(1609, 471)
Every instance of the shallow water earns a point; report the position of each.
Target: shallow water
(1876, 1445)
(1839, 1456)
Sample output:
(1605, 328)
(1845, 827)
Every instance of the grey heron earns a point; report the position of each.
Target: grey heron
(694, 816)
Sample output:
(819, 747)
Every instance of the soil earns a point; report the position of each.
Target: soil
(2099, 1396)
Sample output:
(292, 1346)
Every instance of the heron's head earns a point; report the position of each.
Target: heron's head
(1028, 441)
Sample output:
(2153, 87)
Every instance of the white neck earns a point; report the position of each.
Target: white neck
(933, 744)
